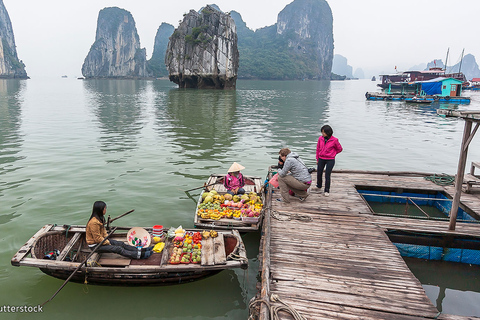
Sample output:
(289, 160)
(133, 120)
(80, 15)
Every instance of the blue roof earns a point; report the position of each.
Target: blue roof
(439, 79)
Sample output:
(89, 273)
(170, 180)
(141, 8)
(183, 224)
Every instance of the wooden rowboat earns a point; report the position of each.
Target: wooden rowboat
(246, 224)
(226, 251)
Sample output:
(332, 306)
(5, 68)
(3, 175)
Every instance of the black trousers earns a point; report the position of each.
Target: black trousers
(121, 248)
(322, 163)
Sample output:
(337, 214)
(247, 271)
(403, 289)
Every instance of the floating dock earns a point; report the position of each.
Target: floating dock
(331, 257)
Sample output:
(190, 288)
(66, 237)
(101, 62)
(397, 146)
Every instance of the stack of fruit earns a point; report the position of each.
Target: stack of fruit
(187, 249)
(207, 234)
(186, 258)
(197, 238)
(196, 254)
(236, 207)
(176, 254)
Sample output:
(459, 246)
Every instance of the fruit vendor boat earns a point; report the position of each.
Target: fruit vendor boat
(243, 215)
(225, 250)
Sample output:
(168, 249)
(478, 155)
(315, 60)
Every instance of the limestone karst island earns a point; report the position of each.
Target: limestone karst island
(10, 65)
(211, 49)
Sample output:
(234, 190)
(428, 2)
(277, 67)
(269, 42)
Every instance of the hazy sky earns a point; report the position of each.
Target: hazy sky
(53, 37)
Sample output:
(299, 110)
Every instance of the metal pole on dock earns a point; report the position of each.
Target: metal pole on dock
(460, 174)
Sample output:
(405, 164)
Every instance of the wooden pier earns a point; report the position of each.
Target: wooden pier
(334, 260)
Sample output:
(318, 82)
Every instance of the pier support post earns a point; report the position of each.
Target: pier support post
(460, 172)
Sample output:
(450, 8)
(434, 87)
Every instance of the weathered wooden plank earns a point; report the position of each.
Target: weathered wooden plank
(219, 250)
(208, 258)
(25, 249)
(378, 303)
(355, 289)
(69, 246)
(319, 310)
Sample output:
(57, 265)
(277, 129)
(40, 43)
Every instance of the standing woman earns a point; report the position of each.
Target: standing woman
(327, 148)
(95, 233)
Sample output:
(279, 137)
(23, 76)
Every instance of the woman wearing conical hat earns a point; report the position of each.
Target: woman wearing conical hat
(234, 180)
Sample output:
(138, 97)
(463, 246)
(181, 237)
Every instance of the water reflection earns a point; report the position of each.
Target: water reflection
(452, 287)
(117, 104)
(290, 115)
(201, 121)
(10, 120)
(210, 298)
(11, 138)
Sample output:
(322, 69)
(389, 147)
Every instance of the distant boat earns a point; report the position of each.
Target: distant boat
(405, 80)
(64, 76)
(374, 79)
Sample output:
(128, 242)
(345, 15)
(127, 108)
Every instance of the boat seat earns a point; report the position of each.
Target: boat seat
(113, 260)
(74, 242)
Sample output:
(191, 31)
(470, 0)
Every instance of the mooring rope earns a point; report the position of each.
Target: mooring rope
(285, 216)
(442, 179)
(236, 257)
(274, 310)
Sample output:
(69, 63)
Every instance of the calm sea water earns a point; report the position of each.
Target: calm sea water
(65, 143)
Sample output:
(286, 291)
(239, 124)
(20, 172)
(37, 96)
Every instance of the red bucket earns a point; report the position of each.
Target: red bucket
(157, 231)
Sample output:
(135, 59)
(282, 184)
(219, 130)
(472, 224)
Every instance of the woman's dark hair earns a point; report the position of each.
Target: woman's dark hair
(97, 211)
(328, 130)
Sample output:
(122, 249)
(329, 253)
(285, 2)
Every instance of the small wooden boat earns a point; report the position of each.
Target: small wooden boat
(226, 251)
(244, 224)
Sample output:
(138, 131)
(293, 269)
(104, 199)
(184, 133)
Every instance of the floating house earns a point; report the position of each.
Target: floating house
(407, 79)
(439, 89)
(445, 87)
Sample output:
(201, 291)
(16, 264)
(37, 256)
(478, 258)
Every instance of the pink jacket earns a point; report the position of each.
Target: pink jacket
(329, 150)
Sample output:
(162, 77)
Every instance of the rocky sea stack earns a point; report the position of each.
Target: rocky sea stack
(10, 65)
(298, 46)
(156, 65)
(202, 51)
(116, 52)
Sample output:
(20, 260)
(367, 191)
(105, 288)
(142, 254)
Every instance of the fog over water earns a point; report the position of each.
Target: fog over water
(53, 37)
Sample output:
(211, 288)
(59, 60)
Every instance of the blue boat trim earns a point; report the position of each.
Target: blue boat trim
(375, 96)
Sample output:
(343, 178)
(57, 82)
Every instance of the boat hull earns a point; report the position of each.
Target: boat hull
(130, 279)
(226, 251)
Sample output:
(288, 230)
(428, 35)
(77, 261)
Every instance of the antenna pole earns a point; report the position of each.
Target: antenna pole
(446, 60)
(460, 67)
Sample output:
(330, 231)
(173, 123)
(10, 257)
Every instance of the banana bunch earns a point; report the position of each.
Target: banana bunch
(213, 234)
(205, 215)
(215, 216)
(205, 234)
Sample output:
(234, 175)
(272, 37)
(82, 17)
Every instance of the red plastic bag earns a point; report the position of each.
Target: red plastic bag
(274, 181)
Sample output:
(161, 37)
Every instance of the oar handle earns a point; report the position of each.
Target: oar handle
(204, 186)
(111, 220)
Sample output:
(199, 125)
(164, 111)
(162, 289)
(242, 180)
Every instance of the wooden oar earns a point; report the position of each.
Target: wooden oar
(204, 186)
(81, 264)
(122, 215)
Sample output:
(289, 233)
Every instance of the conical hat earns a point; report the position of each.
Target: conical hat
(138, 237)
(236, 167)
